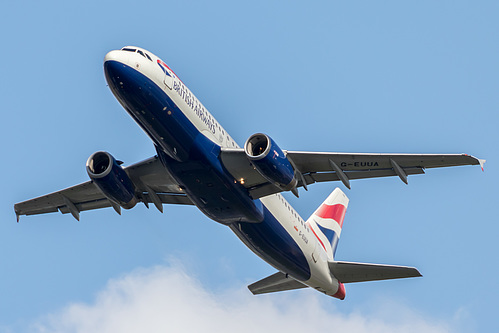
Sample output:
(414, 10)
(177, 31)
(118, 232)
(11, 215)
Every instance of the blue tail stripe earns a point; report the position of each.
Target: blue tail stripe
(327, 232)
(331, 236)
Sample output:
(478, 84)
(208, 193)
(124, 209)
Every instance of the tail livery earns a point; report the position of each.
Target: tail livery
(330, 275)
(326, 222)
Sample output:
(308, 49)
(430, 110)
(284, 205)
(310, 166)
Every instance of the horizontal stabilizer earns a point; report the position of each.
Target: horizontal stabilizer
(348, 272)
(276, 282)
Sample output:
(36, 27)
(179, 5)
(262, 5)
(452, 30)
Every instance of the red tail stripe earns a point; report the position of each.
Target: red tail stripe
(317, 237)
(335, 212)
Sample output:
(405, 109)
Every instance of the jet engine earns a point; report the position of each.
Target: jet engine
(270, 161)
(111, 179)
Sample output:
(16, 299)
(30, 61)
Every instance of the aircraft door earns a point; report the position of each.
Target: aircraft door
(168, 79)
(315, 253)
(319, 254)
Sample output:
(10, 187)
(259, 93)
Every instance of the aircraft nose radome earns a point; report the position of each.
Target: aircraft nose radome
(115, 55)
(112, 68)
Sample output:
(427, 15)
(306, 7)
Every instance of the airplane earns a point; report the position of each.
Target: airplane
(198, 163)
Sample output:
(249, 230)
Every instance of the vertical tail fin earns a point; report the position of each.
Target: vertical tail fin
(326, 222)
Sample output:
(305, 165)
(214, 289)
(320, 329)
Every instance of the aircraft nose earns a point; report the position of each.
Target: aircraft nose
(115, 55)
(114, 64)
(112, 69)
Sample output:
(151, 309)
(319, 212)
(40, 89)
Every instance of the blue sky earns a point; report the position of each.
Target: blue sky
(367, 76)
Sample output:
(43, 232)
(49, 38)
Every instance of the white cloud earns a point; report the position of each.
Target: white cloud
(167, 299)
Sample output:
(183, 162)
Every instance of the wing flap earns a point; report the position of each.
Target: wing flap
(349, 272)
(332, 176)
(318, 177)
(83, 206)
(274, 283)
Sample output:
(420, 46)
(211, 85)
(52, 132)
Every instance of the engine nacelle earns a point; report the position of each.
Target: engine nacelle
(112, 180)
(270, 161)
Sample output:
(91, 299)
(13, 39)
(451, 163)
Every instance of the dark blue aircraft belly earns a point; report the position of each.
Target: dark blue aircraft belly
(214, 192)
(275, 245)
(152, 109)
(193, 160)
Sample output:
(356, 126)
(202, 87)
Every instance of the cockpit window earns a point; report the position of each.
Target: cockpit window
(145, 55)
(141, 53)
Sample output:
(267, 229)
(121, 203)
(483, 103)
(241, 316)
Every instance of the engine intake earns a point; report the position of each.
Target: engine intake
(270, 161)
(111, 179)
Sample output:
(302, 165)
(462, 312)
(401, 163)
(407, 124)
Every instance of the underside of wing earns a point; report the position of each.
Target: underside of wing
(322, 167)
(349, 272)
(153, 185)
(274, 283)
(319, 162)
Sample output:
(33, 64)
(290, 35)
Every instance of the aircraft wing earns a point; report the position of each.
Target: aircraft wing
(148, 176)
(274, 283)
(322, 167)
